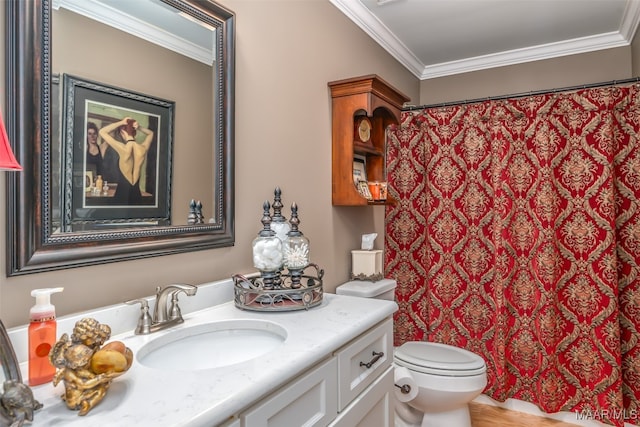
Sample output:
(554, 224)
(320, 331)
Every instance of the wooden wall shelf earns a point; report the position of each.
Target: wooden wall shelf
(351, 99)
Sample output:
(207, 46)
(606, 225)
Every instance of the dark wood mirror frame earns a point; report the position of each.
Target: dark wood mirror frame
(31, 247)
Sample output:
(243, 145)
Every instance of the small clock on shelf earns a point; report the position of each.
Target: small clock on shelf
(362, 129)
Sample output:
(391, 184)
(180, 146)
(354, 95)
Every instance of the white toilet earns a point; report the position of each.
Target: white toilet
(447, 377)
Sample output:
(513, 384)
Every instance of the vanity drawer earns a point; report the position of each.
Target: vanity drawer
(363, 360)
(373, 408)
(308, 401)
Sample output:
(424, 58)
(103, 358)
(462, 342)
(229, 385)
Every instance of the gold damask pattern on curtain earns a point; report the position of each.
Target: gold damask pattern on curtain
(517, 236)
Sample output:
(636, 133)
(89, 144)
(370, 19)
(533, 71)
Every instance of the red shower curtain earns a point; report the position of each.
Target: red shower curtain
(517, 236)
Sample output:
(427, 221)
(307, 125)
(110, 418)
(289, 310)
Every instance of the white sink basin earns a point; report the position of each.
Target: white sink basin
(212, 345)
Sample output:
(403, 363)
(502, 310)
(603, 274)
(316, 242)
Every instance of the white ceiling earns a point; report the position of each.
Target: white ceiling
(435, 38)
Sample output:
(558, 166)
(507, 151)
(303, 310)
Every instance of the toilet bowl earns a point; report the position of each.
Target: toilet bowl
(447, 377)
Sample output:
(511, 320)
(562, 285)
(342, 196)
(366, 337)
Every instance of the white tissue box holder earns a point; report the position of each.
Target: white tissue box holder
(366, 265)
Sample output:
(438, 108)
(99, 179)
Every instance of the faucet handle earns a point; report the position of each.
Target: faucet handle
(144, 321)
(174, 310)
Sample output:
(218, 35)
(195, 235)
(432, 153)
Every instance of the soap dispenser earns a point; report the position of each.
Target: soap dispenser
(42, 336)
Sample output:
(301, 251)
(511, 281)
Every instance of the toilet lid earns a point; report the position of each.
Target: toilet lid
(439, 359)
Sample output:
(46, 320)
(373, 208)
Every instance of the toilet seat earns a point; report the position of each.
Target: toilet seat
(439, 359)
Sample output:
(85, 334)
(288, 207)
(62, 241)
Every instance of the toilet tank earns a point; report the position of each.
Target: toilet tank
(381, 289)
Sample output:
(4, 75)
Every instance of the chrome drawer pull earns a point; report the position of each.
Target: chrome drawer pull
(376, 357)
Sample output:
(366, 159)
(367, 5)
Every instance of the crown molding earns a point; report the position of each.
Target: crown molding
(371, 25)
(630, 20)
(521, 56)
(368, 22)
(113, 17)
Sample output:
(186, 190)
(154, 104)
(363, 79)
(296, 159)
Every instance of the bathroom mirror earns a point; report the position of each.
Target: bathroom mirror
(69, 62)
(10, 369)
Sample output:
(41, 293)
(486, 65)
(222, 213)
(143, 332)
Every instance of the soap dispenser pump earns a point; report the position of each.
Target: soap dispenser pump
(42, 336)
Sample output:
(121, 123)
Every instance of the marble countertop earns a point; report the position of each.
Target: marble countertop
(150, 397)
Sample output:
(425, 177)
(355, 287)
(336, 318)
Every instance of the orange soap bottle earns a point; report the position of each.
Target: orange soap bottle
(42, 336)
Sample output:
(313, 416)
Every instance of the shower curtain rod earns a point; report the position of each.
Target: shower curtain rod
(522, 94)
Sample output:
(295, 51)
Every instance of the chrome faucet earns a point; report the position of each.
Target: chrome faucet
(166, 311)
(163, 312)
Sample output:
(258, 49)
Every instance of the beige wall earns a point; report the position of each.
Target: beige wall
(635, 55)
(287, 51)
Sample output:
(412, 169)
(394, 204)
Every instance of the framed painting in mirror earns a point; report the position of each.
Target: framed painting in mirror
(117, 157)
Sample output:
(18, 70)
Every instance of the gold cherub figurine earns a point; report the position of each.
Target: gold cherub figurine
(87, 369)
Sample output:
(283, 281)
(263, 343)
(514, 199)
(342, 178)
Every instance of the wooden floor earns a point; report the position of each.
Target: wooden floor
(492, 416)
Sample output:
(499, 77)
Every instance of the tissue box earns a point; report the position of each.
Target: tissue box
(366, 263)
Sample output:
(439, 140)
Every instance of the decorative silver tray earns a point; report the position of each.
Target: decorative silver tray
(250, 292)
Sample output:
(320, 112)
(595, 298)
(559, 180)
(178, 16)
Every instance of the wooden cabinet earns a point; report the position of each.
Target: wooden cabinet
(350, 99)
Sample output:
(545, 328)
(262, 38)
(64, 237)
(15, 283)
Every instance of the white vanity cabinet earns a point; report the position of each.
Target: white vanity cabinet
(318, 376)
(374, 407)
(308, 401)
(365, 383)
(351, 388)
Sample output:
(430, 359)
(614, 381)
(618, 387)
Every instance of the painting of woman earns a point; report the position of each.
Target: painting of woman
(121, 136)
